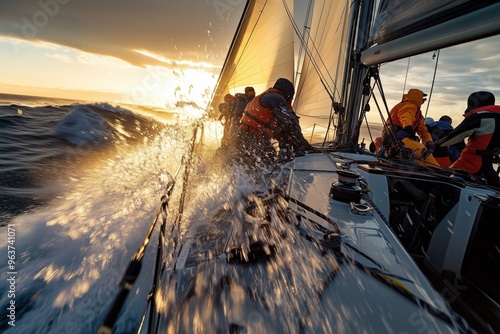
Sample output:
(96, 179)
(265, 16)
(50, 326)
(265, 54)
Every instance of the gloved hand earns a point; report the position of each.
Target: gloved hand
(410, 131)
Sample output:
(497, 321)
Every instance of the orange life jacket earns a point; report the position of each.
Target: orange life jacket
(471, 156)
(259, 119)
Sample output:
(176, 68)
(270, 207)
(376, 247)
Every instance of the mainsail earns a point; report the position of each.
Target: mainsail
(262, 49)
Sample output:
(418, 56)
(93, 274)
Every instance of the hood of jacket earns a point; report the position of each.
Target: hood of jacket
(286, 88)
(415, 96)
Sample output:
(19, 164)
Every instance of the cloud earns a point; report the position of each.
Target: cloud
(188, 63)
(188, 30)
(461, 70)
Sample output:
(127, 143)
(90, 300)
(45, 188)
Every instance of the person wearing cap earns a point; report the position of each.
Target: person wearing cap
(250, 90)
(270, 116)
(445, 156)
(446, 118)
(239, 104)
(226, 117)
(428, 121)
(405, 121)
(482, 126)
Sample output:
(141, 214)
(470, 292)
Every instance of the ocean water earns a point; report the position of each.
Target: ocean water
(80, 184)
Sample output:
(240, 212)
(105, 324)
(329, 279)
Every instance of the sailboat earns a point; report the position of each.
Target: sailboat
(339, 240)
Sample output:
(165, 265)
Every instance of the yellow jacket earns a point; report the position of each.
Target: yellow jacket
(407, 113)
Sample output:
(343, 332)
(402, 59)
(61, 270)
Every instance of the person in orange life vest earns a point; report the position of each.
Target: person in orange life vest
(482, 126)
(406, 120)
(291, 137)
(269, 115)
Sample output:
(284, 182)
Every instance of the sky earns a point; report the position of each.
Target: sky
(148, 52)
(158, 52)
(460, 71)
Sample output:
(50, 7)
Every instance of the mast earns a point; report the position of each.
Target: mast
(355, 72)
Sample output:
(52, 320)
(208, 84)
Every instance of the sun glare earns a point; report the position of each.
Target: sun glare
(194, 88)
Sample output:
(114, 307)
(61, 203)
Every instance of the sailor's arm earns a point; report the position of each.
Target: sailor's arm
(462, 131)
(277, 104)
(423, 132)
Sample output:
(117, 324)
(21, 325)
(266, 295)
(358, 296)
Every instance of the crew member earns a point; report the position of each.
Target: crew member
(269, 116)
(405, 122)
(445, 156)
(482, 126)
(239, 104)
(226, 118)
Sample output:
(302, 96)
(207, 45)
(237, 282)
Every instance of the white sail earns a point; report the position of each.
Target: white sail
(262, 50)
(322, 71)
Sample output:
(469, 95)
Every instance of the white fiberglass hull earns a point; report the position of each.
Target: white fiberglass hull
(328, 267)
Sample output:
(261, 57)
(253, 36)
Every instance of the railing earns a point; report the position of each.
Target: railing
(317, 136)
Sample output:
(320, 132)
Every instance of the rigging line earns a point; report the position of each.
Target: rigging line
(365, 102)
(406, 75)
(433, 81)
(384, 100)
(188, 168)
(388, 127)
(134, 268)
(306, 29)
(315, 65)
(309, 54)
(186, 173)
(159, 263)
(387, 278)
(220, 86)
(364, 114)
(372, 95)
(330, 121)
(368, 128)
(379, 212)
